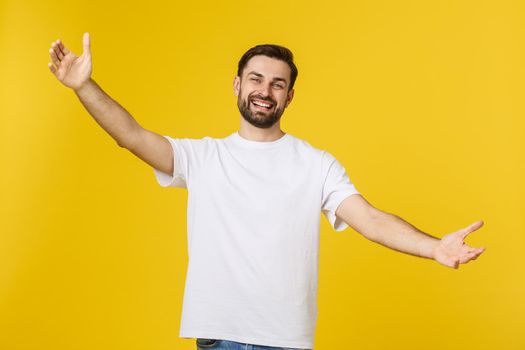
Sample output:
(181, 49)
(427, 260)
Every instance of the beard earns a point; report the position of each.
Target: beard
(259, 119)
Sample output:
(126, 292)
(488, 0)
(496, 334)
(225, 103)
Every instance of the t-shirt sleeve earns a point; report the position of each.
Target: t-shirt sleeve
(184, 159)
(336, 187)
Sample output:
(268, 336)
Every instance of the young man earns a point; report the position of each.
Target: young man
(254, 199)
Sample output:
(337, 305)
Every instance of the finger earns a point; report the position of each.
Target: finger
(479, 251)
(57, 44)
(64, 49)
(472, 255)
(52, 68)
(86, 43)
(465, 248)
(474, 250)
(454, 263)
(471, 228)
(54, 58)
(469, 251)
(467, 257)
(57, 51)
(475, 256)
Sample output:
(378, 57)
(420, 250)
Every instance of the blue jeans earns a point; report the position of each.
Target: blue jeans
(221, 344)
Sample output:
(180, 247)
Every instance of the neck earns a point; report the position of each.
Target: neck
(253, 133)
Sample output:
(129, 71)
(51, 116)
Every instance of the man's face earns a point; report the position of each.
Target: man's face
(262, 91)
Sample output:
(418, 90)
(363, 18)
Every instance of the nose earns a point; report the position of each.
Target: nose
(266, 90)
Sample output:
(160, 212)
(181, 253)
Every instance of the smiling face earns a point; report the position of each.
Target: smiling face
(262, 91)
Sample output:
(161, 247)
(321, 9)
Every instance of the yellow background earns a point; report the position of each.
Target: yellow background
(421, 101)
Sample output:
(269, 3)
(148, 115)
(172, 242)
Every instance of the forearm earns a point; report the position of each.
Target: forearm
(108, 113)
(393, 232)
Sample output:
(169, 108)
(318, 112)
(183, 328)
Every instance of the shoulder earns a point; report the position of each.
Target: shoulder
(323, 158)
(205, 141)
(306, 146)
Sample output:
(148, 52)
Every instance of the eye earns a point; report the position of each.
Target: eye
(256, 79)
(278, 86)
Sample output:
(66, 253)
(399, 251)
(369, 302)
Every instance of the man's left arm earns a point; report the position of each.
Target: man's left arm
(393, 232)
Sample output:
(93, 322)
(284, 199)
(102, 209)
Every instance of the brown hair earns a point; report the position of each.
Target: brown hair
(273, 51)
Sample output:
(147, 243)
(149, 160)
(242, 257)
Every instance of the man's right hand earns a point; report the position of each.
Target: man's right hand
(71, 70)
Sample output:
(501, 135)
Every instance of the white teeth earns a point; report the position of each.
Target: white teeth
(261, 104)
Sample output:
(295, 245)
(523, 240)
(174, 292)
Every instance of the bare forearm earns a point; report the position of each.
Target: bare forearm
(108, 113)
(393, 232)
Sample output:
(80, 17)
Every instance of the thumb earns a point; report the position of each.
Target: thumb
(87, 44)
(471, 228)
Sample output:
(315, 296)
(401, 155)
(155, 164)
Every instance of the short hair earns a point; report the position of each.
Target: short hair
(273, 51)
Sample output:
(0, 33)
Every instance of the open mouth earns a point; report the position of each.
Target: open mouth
(262, 105)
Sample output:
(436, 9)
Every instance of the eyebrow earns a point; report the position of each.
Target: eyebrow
(274, 79)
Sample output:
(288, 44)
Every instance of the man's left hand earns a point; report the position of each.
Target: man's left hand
(452, 250)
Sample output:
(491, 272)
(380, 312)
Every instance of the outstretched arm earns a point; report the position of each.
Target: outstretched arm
(75, 72)
(393, 232)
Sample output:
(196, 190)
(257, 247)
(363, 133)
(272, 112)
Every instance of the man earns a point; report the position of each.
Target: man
(253, 207)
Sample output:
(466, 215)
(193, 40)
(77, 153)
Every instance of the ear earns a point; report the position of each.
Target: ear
(236, 85)
(290, 97)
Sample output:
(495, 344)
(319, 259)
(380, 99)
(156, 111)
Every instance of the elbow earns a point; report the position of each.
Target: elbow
(121, 144)
(125, 142)
(372, 229)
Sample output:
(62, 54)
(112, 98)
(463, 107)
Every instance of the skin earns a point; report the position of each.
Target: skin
(263, 79)
(267, 80)
(75, 72)
(395, 233)
(71, 70)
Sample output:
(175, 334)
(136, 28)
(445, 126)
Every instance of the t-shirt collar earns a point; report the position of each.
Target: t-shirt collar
(238, 139)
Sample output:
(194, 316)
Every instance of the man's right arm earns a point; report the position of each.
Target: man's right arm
(151, 147)
(75, 72)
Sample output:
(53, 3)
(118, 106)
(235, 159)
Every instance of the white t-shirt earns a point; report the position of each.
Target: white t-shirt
(253, 225)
